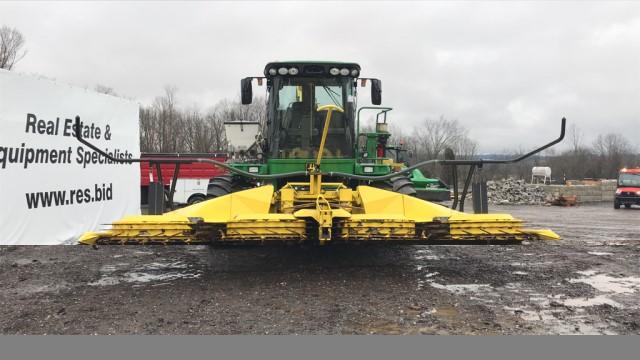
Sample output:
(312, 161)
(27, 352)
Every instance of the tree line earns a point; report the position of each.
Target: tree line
(601, 159)
(165, 127)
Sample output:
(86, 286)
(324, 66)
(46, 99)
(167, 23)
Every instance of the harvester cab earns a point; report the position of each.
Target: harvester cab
(316, 180)
(297, 94)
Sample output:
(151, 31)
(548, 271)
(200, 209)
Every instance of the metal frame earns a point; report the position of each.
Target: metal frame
(384, 110)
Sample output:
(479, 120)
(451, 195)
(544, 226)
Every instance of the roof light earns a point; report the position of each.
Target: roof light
(293, 71)
(273, 71)
(283, 71)
(334, 71)
(354, 72)
(344, 71)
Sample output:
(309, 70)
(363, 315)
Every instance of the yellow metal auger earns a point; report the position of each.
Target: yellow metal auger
(314, 212)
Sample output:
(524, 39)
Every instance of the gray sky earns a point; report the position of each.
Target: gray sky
(507, 71)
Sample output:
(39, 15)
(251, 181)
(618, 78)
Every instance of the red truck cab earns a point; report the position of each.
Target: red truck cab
(628, 190)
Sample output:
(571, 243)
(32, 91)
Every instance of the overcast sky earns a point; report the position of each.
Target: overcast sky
(507, 71)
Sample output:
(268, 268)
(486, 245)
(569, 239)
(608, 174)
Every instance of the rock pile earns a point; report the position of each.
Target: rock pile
(515, 192)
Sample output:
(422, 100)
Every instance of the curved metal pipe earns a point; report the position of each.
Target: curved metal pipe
(479, 162)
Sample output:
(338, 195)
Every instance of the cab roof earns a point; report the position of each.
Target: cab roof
(311, 68)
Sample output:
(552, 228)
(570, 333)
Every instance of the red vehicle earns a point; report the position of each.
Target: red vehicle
(192, 180)
(628, 191)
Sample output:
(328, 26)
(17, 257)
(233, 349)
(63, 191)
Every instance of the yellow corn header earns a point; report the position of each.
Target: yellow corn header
(296, 215)
(316, 213)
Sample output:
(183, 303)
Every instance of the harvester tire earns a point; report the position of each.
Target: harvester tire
(226, 178)
(219, 186)
(401, 184)
(616, 205)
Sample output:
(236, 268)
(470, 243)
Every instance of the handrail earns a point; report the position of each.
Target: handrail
(384, 110)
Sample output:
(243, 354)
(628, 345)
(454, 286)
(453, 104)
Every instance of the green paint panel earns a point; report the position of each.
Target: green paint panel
(372, 169)
(279, 166)
(262, 168)
(421, 181)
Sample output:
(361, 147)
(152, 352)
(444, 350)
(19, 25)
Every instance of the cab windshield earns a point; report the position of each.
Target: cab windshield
(628, 179)
(301, 125)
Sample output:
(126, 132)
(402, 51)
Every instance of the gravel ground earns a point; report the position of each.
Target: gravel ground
(588, 283)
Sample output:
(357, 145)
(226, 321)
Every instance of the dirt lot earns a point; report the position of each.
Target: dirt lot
(588, 283)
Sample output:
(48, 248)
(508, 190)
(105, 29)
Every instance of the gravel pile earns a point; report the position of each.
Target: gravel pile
(515, 192)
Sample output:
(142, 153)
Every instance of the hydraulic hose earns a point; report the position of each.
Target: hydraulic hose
(478, 162)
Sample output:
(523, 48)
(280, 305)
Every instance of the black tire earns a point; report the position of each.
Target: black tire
(194, 199)
(219, 186)
(628, 206)
(226, 178)
(616, 205)
(401, 184)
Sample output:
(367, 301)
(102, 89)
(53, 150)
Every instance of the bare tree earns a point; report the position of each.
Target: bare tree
(164, 127)
(465, 148)
(432, 137)
(611, 144)
(575, 137)
(148, 133)
(168, 120)
(611, 150)
(11, 43)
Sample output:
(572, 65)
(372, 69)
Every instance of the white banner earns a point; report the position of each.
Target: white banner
(52, 189)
